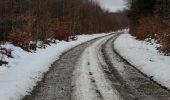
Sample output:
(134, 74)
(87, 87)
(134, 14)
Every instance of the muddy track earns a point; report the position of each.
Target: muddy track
(130, 83)
(56, 83)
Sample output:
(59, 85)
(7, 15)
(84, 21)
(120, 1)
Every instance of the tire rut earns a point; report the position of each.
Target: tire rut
(130, 82)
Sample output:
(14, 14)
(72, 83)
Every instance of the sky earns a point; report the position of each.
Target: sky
(112, 5)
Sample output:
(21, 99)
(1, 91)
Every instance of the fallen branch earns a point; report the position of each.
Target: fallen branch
(3, 62)
(7, 52)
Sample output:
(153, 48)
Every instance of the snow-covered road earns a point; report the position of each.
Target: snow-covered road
(89, 79)
(94, 71)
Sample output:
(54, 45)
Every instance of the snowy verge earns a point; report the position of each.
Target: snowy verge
(145, 57)
(18, 78)
(89, 80)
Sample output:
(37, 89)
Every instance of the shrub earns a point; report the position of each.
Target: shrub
(154, 27)
(59, 30)
(19, 38)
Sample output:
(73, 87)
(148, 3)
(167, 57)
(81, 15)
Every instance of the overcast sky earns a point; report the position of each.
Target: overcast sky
(112, 5)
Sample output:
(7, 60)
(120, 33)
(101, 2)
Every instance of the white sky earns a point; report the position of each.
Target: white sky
(112, 5)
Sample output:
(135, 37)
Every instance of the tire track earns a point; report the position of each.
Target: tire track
(56, 84)
(131, 84)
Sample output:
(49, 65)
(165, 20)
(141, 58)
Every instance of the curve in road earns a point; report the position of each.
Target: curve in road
(94, 71)
(56, 84)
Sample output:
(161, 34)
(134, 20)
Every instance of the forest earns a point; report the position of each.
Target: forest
(151, 19)
(22, 21)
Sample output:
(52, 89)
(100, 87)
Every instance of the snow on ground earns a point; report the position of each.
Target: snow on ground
(19, 77)
(144, 56)
(89, 79)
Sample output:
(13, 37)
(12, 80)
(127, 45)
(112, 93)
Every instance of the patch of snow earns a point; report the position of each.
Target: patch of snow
(18, 78)
(145, 57)
(122, 30)
(89, 79)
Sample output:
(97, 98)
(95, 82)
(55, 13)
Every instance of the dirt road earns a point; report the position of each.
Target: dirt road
(94, 71)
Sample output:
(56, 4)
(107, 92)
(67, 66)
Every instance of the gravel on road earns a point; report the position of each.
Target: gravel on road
(56, 84)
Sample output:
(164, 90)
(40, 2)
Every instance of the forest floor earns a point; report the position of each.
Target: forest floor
(95, 71)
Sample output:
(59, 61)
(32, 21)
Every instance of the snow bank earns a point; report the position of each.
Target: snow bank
(144, 56)
(19, 77)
